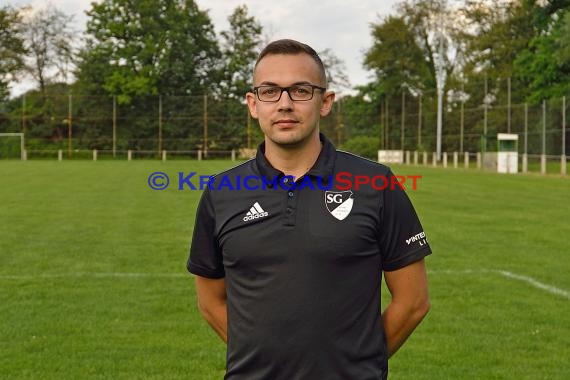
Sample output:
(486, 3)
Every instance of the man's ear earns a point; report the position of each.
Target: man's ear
(251, 104)
(328, 101)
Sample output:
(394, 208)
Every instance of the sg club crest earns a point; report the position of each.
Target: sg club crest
(339, 203)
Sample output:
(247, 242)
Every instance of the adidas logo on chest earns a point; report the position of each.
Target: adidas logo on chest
(255, 212)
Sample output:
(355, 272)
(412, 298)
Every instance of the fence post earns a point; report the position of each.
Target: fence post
(478, 160)
(407, 157)
(445, 159)
(543, 163)
(199, 155)
(59, 155)
(415, 157)
(425, 158)
(164, 156)
(525, 163)
(466, 160)
(434, 163)
(563, 164)
(94, 154)
(129, 155)
(24, 155)
(233, 154)
(455, 159)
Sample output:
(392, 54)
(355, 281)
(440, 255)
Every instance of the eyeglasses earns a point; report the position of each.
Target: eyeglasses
(297, 93)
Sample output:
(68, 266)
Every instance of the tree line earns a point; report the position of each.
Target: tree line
(160, 64)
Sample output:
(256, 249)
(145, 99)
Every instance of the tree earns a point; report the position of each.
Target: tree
(240, 45)
(435, 25)
(564, 39)
(336, 71)
(544, 66)
(157, 59)
(354, 115)
(395, 57)
(406, 47)
(151, 47)
(406, 50)
(49, 42)
(12, 49)
(337, 80)
(497, 33)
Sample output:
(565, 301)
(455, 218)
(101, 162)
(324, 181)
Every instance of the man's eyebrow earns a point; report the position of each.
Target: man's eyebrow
(267, 83)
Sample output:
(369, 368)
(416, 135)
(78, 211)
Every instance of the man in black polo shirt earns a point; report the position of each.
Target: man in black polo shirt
(288, 266)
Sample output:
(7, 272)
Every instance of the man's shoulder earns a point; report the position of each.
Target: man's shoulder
(352, 162)
(237, 177)
(244, 168)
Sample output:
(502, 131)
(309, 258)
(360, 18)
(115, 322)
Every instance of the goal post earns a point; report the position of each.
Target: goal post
(6, 151)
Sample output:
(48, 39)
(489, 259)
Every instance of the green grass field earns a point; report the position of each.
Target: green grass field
(93, 280)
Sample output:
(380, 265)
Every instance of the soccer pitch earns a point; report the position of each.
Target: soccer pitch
(94, 286)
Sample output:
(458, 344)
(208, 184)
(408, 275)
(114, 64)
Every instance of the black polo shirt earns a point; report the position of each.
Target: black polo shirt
(303, 265)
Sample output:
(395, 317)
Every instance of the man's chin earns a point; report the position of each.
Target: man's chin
(289, 142)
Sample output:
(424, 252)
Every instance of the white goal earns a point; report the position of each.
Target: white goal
(10, 149)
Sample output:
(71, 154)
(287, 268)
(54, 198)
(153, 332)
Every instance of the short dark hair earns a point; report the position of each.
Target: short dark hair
(292, 47)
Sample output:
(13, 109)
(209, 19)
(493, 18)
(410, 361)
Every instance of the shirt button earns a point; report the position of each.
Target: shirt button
(291, 194)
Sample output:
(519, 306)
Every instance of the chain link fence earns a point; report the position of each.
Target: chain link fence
(212, 127)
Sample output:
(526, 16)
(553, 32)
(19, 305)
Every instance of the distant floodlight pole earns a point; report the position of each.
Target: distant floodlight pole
(563, 156)
(205, 147)
(69, 125)
(159, 125)
(439, 119)
(114, 126)
(441, 77)
(564, 126)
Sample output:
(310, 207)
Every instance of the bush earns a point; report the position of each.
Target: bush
(363, 146)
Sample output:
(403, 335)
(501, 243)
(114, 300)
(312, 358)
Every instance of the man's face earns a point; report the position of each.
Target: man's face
(287, 122)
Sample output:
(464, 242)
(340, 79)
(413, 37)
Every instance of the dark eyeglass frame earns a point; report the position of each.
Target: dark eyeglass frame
(287, 89)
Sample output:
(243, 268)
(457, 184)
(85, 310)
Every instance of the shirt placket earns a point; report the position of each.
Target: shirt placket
(291, 195)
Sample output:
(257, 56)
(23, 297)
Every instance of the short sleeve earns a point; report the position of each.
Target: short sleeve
(205, 257)
(401, 236)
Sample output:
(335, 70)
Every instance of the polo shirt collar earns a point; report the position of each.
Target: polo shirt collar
(323, 167)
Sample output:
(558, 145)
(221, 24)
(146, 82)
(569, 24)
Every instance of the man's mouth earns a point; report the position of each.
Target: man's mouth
(285, 122)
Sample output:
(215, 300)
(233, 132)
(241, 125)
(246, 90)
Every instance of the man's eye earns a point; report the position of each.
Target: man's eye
(269, 91)
(300, 90)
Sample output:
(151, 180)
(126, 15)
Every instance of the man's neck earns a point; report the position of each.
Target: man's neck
(293, 160)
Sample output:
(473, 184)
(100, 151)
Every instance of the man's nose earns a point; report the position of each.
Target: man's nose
(285, 102)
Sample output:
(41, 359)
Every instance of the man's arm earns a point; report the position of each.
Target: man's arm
(212, 304)
(410, 303)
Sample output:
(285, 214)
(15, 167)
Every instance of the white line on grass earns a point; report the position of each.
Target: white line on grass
(529, 280)
(94, 274)
(513, 276)
(535, 283)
